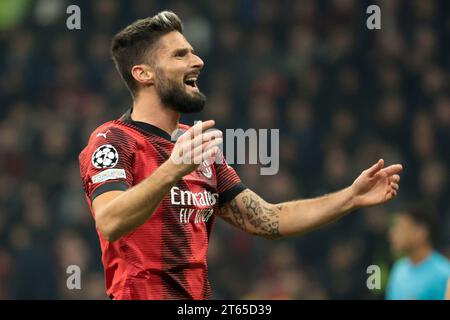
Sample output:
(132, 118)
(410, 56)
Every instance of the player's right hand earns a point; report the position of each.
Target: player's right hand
(194, 147)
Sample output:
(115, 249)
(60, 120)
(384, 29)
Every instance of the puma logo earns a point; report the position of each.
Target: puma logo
(102, 134)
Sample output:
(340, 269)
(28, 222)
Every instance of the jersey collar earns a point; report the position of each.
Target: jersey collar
(147, 127)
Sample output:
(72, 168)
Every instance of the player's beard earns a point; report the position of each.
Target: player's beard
(174, 95)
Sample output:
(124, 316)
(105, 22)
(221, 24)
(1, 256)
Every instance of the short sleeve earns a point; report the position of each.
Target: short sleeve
(106, 163)
(229, 184)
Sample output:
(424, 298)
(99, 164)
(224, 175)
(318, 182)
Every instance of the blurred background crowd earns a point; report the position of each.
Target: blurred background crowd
(341, 95)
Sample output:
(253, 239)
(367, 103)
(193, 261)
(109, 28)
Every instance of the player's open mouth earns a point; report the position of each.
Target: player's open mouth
(191, 82)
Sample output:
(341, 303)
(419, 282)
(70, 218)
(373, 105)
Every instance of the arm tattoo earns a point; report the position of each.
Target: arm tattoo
(254, 216)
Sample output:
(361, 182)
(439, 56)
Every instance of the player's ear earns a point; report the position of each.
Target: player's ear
(143, 74)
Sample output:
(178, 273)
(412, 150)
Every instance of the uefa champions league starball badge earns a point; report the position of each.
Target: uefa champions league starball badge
(106, 156)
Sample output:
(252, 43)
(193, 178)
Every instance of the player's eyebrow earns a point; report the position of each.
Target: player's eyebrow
(183, 51)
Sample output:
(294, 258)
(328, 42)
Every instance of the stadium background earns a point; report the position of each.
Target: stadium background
(341, 95)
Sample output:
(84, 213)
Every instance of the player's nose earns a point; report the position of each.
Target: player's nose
(197, 62)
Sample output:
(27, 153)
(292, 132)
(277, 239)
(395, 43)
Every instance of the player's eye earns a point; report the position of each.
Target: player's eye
(180, 53)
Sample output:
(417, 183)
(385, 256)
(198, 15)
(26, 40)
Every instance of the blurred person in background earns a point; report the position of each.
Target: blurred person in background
(422, 274)
(447, 293)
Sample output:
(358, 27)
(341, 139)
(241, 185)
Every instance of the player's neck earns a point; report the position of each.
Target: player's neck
(420, 253)
(149, 109)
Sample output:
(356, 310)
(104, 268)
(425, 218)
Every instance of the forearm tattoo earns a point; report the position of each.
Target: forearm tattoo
(252, 215)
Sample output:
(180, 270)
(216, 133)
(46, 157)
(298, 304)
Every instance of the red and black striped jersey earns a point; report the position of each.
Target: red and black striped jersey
(165, 258)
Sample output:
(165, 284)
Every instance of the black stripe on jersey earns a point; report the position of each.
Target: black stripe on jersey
(231, 193)
(110, 186)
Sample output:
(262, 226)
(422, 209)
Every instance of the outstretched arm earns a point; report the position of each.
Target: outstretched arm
(254, 215)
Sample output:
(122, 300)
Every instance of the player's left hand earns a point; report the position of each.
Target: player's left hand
(376, 185)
